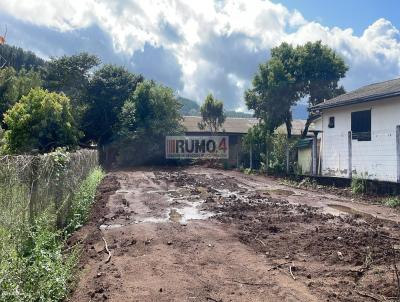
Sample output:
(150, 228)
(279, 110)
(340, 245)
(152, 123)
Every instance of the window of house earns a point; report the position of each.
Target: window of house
(361, 125)
(331, 122)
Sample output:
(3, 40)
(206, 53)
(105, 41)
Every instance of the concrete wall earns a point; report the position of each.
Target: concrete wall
(375, 159)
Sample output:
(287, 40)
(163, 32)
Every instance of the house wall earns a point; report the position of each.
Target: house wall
(375, 159)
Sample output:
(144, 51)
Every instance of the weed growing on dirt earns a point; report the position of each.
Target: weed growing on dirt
(359, 184)
(83, 200)
(393, 202)
(33, 266)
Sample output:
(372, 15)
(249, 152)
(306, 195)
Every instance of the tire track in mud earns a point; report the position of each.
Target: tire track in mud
(172, 259)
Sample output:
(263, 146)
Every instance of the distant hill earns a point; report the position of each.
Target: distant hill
(191, 108)
(18, 58)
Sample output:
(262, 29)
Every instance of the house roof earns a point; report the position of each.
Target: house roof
(297, 128)
(367, 93)
(231, 124)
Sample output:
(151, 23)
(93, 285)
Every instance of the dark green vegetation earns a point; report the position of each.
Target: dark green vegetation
(312, 70)
(212, 113)
(191, 108)
(39, 208)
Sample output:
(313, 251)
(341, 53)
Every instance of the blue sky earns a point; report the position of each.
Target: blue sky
(198, 47)
(355, 14)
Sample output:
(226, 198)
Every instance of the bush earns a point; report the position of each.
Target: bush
(40, 121)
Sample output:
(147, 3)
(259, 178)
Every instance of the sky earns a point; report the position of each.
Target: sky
(208, 46)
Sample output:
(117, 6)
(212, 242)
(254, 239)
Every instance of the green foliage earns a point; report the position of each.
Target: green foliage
(70, 75)
(359, 184)
(108, 90)
(148, 115)
(41, 121)
(256, 140)
(393, 202)
(280, 145)
(83, 200)
(19, 59)
(32, 266)
(14, 85)
(312, 70)
(212, 113)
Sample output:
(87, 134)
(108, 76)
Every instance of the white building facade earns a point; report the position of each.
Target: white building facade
(360, 137)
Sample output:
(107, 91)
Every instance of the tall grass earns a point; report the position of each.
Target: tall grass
(33, 266)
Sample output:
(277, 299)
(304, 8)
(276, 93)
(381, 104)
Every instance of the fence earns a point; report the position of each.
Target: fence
(372, 156)
(30, 185)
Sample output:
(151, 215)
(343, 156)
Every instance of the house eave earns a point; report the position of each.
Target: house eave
(355, 101)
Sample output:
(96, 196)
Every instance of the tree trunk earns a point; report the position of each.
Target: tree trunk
(288, 122)
(306, 126)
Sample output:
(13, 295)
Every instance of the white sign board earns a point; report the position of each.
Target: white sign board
(181, 147)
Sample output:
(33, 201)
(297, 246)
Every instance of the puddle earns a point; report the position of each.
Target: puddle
(348, 210)
(187, 210)
(281, 192)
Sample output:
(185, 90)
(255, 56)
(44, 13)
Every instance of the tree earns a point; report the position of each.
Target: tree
(320, 71)
(212, 113)
(40, 121)
(147, 116)
(311, 70)
(108, 90)
(274, 92)
(70, 75)
(19, 59)
(14, 85)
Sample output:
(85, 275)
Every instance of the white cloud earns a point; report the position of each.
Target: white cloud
(217, 44)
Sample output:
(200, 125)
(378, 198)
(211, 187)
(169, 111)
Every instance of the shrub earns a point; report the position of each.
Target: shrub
(40, 121)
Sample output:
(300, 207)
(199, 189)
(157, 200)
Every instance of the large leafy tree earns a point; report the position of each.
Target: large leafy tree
(312, 71)
(212, 113)
(320, 70)
(108, 89)
(40, 121)
(13, 85)
(147, 116)
(70, 75)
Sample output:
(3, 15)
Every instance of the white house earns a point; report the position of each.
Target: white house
(360, 133)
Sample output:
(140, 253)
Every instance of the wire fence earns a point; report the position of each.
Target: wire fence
(32, 184)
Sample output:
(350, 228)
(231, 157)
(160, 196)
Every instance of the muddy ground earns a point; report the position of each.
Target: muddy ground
(197, 234)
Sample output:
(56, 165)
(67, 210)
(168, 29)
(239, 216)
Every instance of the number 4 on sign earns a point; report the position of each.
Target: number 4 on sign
(222, 145)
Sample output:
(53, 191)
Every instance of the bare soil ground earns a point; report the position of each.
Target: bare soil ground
(197, 234)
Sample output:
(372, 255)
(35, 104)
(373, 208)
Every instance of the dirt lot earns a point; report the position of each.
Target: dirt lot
(197, 234)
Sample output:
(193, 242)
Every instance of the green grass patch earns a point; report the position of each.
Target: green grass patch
(33, 265)
(393, 202)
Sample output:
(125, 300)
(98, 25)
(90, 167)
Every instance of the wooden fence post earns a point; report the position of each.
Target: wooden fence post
(350, 155)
